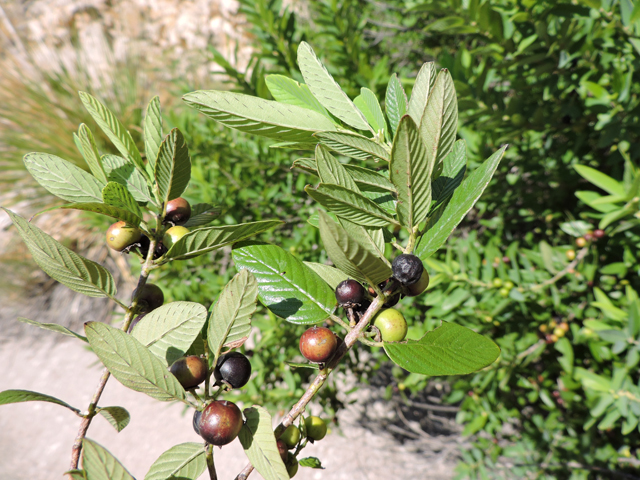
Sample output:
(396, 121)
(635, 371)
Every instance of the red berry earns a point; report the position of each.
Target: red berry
(178, 211)
(220, 422)
(318, 344)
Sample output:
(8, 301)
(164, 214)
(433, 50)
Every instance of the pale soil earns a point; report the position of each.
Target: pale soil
(36, 437)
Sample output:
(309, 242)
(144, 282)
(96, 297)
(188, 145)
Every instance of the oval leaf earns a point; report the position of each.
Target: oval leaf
(329, 274)
(464, 198)
(180, 462)
(152, 132)
(395, 102)
(99, 464)
(117, 195)
(368, 104)
(275, 120)
(118, 417)
(102, 209)
(53, 327)
(19, 396)
(259, 444)
(353, 145)
(63, 179)
(421, 91)
(349, 255)
(286, 286)
(89, 151)
(131, 363)
(202, 214)
(351, 205)
(112, 127)
(326, 90)
(119, 170)
(287, 90)
(230, 319)
(448, 350)
(173, 166)
(331, 170)
(76, 272)
(207, 239)
(169, 330)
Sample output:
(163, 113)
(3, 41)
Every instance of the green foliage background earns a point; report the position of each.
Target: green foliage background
(558, 82)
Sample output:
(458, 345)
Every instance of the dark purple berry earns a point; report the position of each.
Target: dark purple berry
(407, 269)
(349, 293)
(234, 368)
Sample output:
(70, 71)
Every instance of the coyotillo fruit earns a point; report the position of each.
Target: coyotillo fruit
(151, 297)
(407, 269)
(220, 422)
(318, 344)
(392, 325)
(190, 371)
(178, 211)
(120, 236)
(234, 368)
(350, 293)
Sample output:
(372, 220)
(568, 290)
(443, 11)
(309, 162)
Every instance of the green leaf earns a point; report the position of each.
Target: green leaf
(331, 170)
(349, 255)
(75, 474)
(287, 123)
(202, 214)
(329, 274)
(19, 396)
(118, 417)
(600, 180)
(448, 350)
(112, 127)
(368, 104)
(76, 272)
(102, 209)
(306, 164)
(99, 464)
(180, 462)
(173, 166)
(353, 145)
(169, 331)
(131, 363)
(464, 198)
(152, 132)
(326, 90)
(90, 153)
(118, 196)
(259, 443)
(350, 205)
(410, 171)
(287, 90)
(53, 327)
(439, 124)
(312, 462)
(421, 91)
(207, 239)
(371, 238)
(230, 318)
(120, 171)
(63, 179)
(395, 102)
(370, 180)
(454, 167)
(286, 286)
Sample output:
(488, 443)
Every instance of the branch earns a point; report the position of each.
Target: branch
(299, 407)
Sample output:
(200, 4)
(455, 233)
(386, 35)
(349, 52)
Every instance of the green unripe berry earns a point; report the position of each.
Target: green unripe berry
(508, 284)
(316, 428)
(392, 325)
(120, 236)
(290, 436)
(292, 465)
(497, 282)
(504, 291)
(172, 235)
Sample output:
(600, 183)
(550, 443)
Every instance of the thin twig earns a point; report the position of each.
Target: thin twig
(211, 466)
(581, 254)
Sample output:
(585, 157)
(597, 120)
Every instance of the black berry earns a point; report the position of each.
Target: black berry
(349, 293)
(407, 269)
(234, 368)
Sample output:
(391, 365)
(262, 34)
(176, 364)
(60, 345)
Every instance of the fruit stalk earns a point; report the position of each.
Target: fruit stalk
(210, 465)
(349, 340)
(91, 409)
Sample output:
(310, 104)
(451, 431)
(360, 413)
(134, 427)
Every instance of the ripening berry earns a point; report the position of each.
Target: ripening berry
(318, 344)
(120, 236)
(178, 211)
(418, 287)
(190, 371)
(172, 235)
(350, 293)
(220, 422)
(150, 298)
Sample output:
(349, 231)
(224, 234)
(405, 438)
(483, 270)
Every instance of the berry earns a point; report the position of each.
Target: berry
(150, 298)
(120, 236)
(509, 284)
(290, 436)
(316, 428)
(292, 465)
(418, 287)
(598, 233)
(196, 421)
(178, 211)
(407, 269)
(364, 306)
(581, 242)
(283, 450)
(318, 344)
(559, 332)
(496, 282)
(392, 325)
(234, 368)
(571, 254)
(392, 301)
(220, 422)
(350, 293)
(190, 371)
(172, 235)
(504, 291)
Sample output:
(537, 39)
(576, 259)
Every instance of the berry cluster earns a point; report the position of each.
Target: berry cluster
(313, 430)
(124, 238)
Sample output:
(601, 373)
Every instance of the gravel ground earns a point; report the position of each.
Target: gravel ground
(36, 437)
